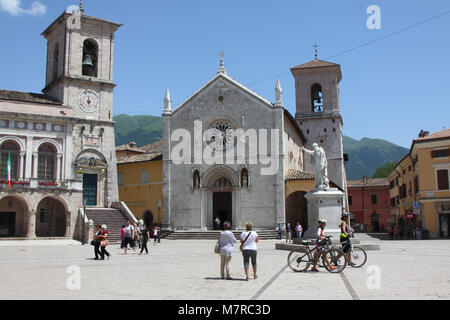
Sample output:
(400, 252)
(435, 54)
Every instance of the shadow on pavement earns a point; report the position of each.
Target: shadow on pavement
(218, 278)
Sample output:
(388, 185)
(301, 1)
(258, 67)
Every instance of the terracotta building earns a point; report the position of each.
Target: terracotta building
(369, 204)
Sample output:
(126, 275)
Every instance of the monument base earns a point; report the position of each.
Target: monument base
(324, 204)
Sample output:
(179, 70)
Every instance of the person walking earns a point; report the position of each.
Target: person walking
(104, 243)
(137, 236)
(129, 236)
(280, 231)
(145, 237)
(96, 241)
(226, 243)
(155, 234)
(298, 230)
(288, 232)
(249, 238)
(122, 236)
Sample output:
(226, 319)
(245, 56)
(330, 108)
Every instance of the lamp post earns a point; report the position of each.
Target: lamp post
(158, 203)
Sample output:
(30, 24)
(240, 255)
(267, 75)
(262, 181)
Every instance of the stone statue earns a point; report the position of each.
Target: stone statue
(319, 160)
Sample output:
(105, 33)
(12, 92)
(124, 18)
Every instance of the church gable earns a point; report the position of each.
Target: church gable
(222, 92)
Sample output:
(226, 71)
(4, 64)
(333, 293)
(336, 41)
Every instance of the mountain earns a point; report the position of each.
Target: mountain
(366, 155)
(140, 129)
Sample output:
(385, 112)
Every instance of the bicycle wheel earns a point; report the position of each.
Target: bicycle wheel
(298, 261)
(357, 257)
(336, 258)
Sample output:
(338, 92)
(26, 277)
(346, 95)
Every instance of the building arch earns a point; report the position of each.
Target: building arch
(54, 143)
(297, 209)
(316, 98)
(16, 140)
(90, 58)
(51, 217)
(91, 153)
(10, 150)
(15, 214)
(217, 172)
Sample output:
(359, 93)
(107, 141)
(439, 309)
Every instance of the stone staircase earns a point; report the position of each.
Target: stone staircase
(113, 218)
(213, 235)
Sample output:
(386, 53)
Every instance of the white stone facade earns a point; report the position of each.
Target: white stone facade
(81, 133)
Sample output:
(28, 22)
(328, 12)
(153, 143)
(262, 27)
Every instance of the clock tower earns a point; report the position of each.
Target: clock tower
(80, 56)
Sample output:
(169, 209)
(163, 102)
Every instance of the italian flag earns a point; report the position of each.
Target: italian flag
(8, 170)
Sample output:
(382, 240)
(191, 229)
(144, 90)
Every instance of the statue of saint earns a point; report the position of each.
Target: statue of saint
(319, 160)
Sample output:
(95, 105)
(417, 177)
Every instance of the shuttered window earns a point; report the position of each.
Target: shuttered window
(442, 179)
(440, 153)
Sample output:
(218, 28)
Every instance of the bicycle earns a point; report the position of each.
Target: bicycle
(356, 256)
(299, 261)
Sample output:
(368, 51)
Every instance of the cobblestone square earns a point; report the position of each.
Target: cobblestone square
(189, 270)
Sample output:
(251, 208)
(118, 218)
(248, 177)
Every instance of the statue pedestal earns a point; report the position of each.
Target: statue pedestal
(324, 205)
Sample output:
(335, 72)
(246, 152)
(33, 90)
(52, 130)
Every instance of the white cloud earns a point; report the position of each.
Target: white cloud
(14, 8)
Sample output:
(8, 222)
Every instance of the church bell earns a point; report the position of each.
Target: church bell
(88, 66)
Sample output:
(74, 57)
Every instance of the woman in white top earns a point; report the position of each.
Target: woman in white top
(249, 239)
(226, 243)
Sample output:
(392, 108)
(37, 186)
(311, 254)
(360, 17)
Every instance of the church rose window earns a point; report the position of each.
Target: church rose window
(221, 135)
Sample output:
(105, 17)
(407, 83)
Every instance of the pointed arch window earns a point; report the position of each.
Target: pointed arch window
(90, 58)
(316, 98)
(244, 178)
(46, 163)
(11, 149)
(196, 180)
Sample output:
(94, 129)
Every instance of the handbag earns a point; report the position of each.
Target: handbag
(241, 247)
(104, 243)
(217, 248)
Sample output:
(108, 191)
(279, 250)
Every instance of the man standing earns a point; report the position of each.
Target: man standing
(288, 233)
(129, 236)
(319, 160)
(298, 230)
(280, 231)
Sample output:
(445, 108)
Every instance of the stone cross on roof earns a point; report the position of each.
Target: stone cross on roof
(222, 66)
(316, 54)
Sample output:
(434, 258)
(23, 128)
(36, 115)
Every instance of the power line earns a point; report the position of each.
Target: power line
(364, 44)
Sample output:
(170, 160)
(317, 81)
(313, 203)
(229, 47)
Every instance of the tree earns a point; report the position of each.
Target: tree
(382, 172)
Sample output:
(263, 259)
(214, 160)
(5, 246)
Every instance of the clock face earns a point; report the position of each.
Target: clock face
(88, 101)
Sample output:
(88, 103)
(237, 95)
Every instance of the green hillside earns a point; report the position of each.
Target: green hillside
(365, 155)
(141, 129)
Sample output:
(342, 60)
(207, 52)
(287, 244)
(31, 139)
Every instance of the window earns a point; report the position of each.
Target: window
(409, 168)
(442, 179)
(350, 200)
(404, 171)
(144, 176)
(120, 178)
(11, 149)
(391, 184)
(46, 163)
(244, 178)
(373, 199)
(316, 98)
(410, 189)
(55, 62)
(416, 184)
(392, 202)
(196, 179)
(90, 56)
(440, 153)
(44, 216)
(403, 191)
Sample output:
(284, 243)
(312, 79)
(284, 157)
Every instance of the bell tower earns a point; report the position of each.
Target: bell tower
(80, 56)
(318, 112)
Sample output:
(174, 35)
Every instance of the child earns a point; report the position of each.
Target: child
(122, 236)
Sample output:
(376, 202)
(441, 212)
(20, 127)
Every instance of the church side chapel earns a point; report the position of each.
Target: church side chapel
(196, 193)
(59, 144)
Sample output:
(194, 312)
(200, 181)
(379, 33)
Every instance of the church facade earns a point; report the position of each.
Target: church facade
(61, 142)
(210, 171)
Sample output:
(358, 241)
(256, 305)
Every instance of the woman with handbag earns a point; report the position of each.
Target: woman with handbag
(226, 243)
(96, 241)
(248, 247)
(104, 242)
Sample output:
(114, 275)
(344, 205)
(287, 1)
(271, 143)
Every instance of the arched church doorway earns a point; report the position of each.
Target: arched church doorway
(148, 218)
(50, 218)
(13, 217)
(222, 201)
(297, 210)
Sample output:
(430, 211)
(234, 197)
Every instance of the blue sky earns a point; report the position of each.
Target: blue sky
(390, 89)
